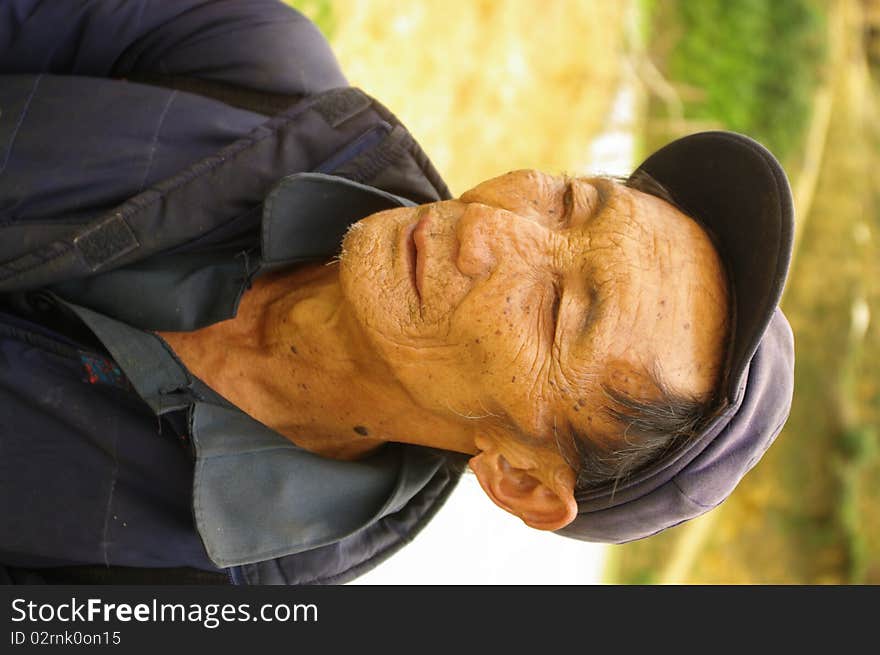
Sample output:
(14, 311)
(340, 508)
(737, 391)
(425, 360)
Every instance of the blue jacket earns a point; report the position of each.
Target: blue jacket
(112, 455)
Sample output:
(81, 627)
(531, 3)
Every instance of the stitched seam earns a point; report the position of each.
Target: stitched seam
(689, 499)
(422, 160)
(250, 453)
(268, 203)
(705, 506)
(42, 222)
(384, 554)
(198, 509)
(61, 253)
(155, 142)
(222, 157)
(63, 348)
(110, 498)
(24, 112)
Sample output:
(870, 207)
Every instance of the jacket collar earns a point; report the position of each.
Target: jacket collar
(304, 218)
(257, 495)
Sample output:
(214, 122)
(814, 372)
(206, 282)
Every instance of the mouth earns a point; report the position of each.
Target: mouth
(411, 253)
(414, 238)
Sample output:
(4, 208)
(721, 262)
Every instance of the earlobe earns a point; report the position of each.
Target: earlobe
(543, 499)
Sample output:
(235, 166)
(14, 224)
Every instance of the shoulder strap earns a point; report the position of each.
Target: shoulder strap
(206, 195)
(261, 102)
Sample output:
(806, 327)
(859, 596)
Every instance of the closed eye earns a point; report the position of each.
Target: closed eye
(568, 203)
(554, 310)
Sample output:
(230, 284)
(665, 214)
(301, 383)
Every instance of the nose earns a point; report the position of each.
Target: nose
(489, 237)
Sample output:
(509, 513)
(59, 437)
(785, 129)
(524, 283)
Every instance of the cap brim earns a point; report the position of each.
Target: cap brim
(739, 192)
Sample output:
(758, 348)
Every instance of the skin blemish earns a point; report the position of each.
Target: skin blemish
(576, 408)
(513, 379)
(361, 430)
(293, 350)
(581, 402)
(497, 332)
(687, 326)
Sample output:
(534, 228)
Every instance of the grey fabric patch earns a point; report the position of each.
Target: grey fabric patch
(106, 241)
(336, 107)
(257, 496)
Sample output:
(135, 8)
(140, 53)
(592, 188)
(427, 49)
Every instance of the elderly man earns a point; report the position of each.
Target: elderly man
(262, 349)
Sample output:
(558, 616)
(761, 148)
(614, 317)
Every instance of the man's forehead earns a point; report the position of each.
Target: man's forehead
(661, 307)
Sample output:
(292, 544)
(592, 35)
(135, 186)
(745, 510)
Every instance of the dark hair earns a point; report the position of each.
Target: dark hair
(651, 428)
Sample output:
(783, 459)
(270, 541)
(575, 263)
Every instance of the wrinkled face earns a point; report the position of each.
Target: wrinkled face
(519, 300)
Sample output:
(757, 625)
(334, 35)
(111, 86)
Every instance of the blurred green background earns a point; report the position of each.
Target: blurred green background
(489, 86)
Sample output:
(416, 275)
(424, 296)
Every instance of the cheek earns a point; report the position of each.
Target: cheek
(368, 273)
(500, 335)
(491, 357)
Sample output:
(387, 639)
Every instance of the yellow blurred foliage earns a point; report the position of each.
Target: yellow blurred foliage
(487, 86)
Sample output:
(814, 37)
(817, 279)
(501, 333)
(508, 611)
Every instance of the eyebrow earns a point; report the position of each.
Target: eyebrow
(604, 186)
(593, 313)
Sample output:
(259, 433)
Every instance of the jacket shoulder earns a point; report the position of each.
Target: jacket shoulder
(260, 44)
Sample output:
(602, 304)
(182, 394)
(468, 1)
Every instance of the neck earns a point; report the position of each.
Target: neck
(295, 359)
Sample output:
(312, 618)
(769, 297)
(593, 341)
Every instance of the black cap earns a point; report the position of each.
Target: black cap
(734, 187)
(738, 191)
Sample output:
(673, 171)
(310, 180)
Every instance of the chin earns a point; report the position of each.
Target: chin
(370, 276)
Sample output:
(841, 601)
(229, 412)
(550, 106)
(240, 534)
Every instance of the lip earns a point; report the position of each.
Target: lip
(412, 241)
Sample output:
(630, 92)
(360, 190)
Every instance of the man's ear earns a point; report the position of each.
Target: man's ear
(535, 486)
